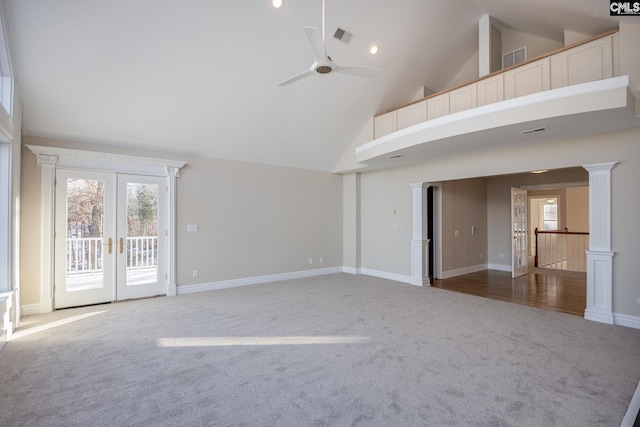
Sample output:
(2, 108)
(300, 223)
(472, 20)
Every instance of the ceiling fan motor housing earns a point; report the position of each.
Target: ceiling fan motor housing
(323, 69)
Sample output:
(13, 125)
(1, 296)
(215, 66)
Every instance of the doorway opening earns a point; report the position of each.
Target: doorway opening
(464, 211)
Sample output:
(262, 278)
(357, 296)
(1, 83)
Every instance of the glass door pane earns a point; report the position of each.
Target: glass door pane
(84, 244)
(519, 260)
(142, 233)
(84, 234)
(141, 236)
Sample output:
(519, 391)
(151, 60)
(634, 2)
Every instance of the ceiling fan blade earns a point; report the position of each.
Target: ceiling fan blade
(296, 78)
(357, 71)
(314, 37)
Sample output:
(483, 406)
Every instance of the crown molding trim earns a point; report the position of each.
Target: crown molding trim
(96, 160)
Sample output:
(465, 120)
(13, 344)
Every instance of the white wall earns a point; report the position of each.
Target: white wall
(351, 221)
(577, 209)
(386, 213)
(512, 40)
(464, 205)
(383, 192)
(10, 205)
(254, 220)
(467, 73)
(629, 54)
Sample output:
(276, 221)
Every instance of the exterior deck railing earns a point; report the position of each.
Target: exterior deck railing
(84, 254)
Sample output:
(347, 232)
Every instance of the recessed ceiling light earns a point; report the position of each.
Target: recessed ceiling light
(373, 49)
(277, 3)
(540, 171)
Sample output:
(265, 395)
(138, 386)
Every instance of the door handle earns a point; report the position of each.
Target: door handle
(121, 244)
(109, 244)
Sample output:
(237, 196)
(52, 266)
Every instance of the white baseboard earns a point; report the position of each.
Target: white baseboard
(31, 309)
(499, 267)
(598, 317)
(390, 276)
(632, 410)
(247, 281)
(626, 320)
(466, 270)
(351, 270)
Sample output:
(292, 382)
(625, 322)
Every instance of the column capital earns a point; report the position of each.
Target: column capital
(420, 185)
(46, 159)
(596, 167)
(173, 171)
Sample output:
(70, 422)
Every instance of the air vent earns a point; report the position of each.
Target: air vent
(514, 57)
(343, 35)
(528, 131)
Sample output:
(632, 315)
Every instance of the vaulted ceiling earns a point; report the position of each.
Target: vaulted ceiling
(200, 76)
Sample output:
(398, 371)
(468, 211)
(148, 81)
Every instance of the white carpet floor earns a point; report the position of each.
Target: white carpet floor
(337, 350)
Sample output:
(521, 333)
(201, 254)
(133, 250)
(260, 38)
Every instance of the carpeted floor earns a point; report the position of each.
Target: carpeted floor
(334, 350)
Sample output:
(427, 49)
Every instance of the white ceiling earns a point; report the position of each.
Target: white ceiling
(200, 76)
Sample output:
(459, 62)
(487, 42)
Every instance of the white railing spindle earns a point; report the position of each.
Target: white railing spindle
(84, 254)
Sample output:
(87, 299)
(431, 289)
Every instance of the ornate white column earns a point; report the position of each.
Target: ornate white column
(47, 203)
(172, 174)
(599, 256)
(419, 240)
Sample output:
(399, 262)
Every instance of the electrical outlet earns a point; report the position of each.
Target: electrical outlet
(196, 273)
(310, 260)
(501, 256)
(455, 233)
(480, 256)
(192, 228)
(321, 260)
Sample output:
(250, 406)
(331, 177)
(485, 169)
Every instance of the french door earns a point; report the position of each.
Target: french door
(110, 237)
(519, 261)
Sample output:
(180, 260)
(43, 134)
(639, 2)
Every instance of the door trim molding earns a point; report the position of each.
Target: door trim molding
(50, 158)
(108, 162)
(420, 240)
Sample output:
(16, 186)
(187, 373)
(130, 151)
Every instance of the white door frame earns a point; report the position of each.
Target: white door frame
(124, 289)
(517, 212)
(50, 158)
(420, 241)
(62, 296)
(437, 230)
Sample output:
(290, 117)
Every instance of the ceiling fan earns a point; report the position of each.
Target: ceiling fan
(323, 63)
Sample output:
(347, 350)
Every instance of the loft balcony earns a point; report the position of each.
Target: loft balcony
(572, 92)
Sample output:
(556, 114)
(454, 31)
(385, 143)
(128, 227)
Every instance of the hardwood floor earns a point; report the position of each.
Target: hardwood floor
(548, 289)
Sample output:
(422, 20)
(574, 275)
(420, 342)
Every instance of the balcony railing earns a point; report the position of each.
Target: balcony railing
(84, 254)
(561, 250)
